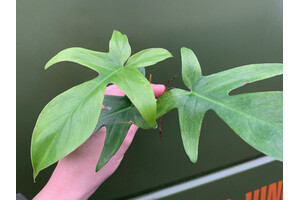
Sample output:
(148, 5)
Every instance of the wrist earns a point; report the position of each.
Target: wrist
(62, 186)
(59, 192)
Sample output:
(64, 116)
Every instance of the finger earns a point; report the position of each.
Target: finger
(114, 90)
(158, 89)
(127, 141)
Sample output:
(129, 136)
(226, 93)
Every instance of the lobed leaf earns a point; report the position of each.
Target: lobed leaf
(68, 120)
(117, 116)
(255, 117)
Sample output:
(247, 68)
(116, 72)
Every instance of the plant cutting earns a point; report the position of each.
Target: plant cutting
(72, 117)
(255, 117)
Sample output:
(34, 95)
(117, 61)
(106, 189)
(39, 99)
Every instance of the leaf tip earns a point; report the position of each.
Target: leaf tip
(100, 164)
(184, 49)
(35, 169)
(168, 54)
(186, 52)
(117, 34)
(48, 64)
(192, 153)
(152, 120)
(35, 173)
(193, 158)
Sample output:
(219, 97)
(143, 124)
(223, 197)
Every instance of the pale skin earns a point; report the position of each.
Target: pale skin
(75, 177)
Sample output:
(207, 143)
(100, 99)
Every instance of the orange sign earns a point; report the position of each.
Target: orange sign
(267, 192)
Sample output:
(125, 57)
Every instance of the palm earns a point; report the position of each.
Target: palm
(77, 171)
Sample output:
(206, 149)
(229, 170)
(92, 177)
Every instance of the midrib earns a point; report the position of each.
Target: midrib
(233, 109)
(118, 111)
(71, 113)
(96, 87)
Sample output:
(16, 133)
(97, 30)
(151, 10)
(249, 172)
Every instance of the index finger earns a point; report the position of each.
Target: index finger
(158, 90)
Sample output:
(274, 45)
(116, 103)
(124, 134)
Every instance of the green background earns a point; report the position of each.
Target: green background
(223, 34)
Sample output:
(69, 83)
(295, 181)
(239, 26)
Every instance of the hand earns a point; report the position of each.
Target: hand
(74, 176)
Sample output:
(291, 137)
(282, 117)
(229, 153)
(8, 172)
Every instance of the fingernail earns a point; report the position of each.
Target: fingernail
(160, 87)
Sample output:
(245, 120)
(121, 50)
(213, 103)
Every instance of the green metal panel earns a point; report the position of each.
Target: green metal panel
(223, 34)
(237, 186)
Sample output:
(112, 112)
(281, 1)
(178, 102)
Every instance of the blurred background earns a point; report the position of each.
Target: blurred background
(223, 34)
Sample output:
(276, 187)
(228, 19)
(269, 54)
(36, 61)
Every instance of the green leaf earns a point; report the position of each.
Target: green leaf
(191, 72)
(117, 116)
(69, 119)
(119, 48)
(65, 123)
(148, 57)
(138, 90)
(92, 59)
(255, 117)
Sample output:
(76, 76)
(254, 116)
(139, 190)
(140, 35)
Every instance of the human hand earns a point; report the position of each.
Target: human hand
(75, 175)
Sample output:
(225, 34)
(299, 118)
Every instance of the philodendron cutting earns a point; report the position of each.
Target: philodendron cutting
(72, 117)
